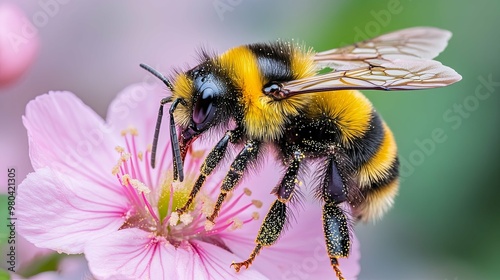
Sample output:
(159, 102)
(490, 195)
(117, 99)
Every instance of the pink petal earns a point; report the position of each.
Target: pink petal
(216, 260)
(68, 136)
(18, 43)
(130, 253)
(62, 213)
(137, 254)
(137, 106)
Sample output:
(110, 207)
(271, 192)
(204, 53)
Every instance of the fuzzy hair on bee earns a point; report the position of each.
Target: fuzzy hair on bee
(306, 107)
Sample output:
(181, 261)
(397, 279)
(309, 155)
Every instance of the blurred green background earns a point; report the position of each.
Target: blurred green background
(445, 223)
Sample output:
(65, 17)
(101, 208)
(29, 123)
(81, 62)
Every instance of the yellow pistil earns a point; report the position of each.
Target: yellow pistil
(177, 186)
(179, 196)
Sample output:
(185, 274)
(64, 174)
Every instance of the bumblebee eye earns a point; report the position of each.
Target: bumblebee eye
(271, 88)
(204, 109)
(274, 90)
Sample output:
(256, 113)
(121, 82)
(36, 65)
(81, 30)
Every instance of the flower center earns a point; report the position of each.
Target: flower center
(154, 197)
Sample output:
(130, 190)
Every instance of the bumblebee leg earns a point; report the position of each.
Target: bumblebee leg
(269, 232)
(335, 225)
(273, 224)
(336, 235)
(212, 160)
(247, 154)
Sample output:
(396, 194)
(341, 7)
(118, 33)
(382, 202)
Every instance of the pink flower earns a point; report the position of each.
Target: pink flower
(93, 191)
(18, 43)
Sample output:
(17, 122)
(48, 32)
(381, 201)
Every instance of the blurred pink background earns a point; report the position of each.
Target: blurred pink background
(93, 49)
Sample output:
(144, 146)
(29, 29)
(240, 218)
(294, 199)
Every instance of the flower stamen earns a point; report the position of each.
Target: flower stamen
(156, 202)
(186, 218)
(174, 219)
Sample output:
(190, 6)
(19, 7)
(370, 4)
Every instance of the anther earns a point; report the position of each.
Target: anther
(125, 179)
(209, 225)
(174, 219)
(257, 203)
(139, 186)
(133, 131)
(186, 218)
(125, 157)
(115, 169)
(237, 223)
(247, 191)
(255, 215)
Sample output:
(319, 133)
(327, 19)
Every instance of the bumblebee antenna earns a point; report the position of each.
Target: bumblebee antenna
(174, 141)
(157, 131)
(158, 75)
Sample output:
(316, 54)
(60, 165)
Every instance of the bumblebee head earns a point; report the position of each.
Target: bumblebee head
(207, 99)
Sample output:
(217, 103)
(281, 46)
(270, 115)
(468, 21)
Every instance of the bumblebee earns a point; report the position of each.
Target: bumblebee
(306, 107)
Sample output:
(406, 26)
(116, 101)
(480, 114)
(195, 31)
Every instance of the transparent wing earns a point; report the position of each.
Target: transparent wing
(411, 43)
(399, 60)
(380, 74)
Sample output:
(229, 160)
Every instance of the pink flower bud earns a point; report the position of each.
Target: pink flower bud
(18, 43)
